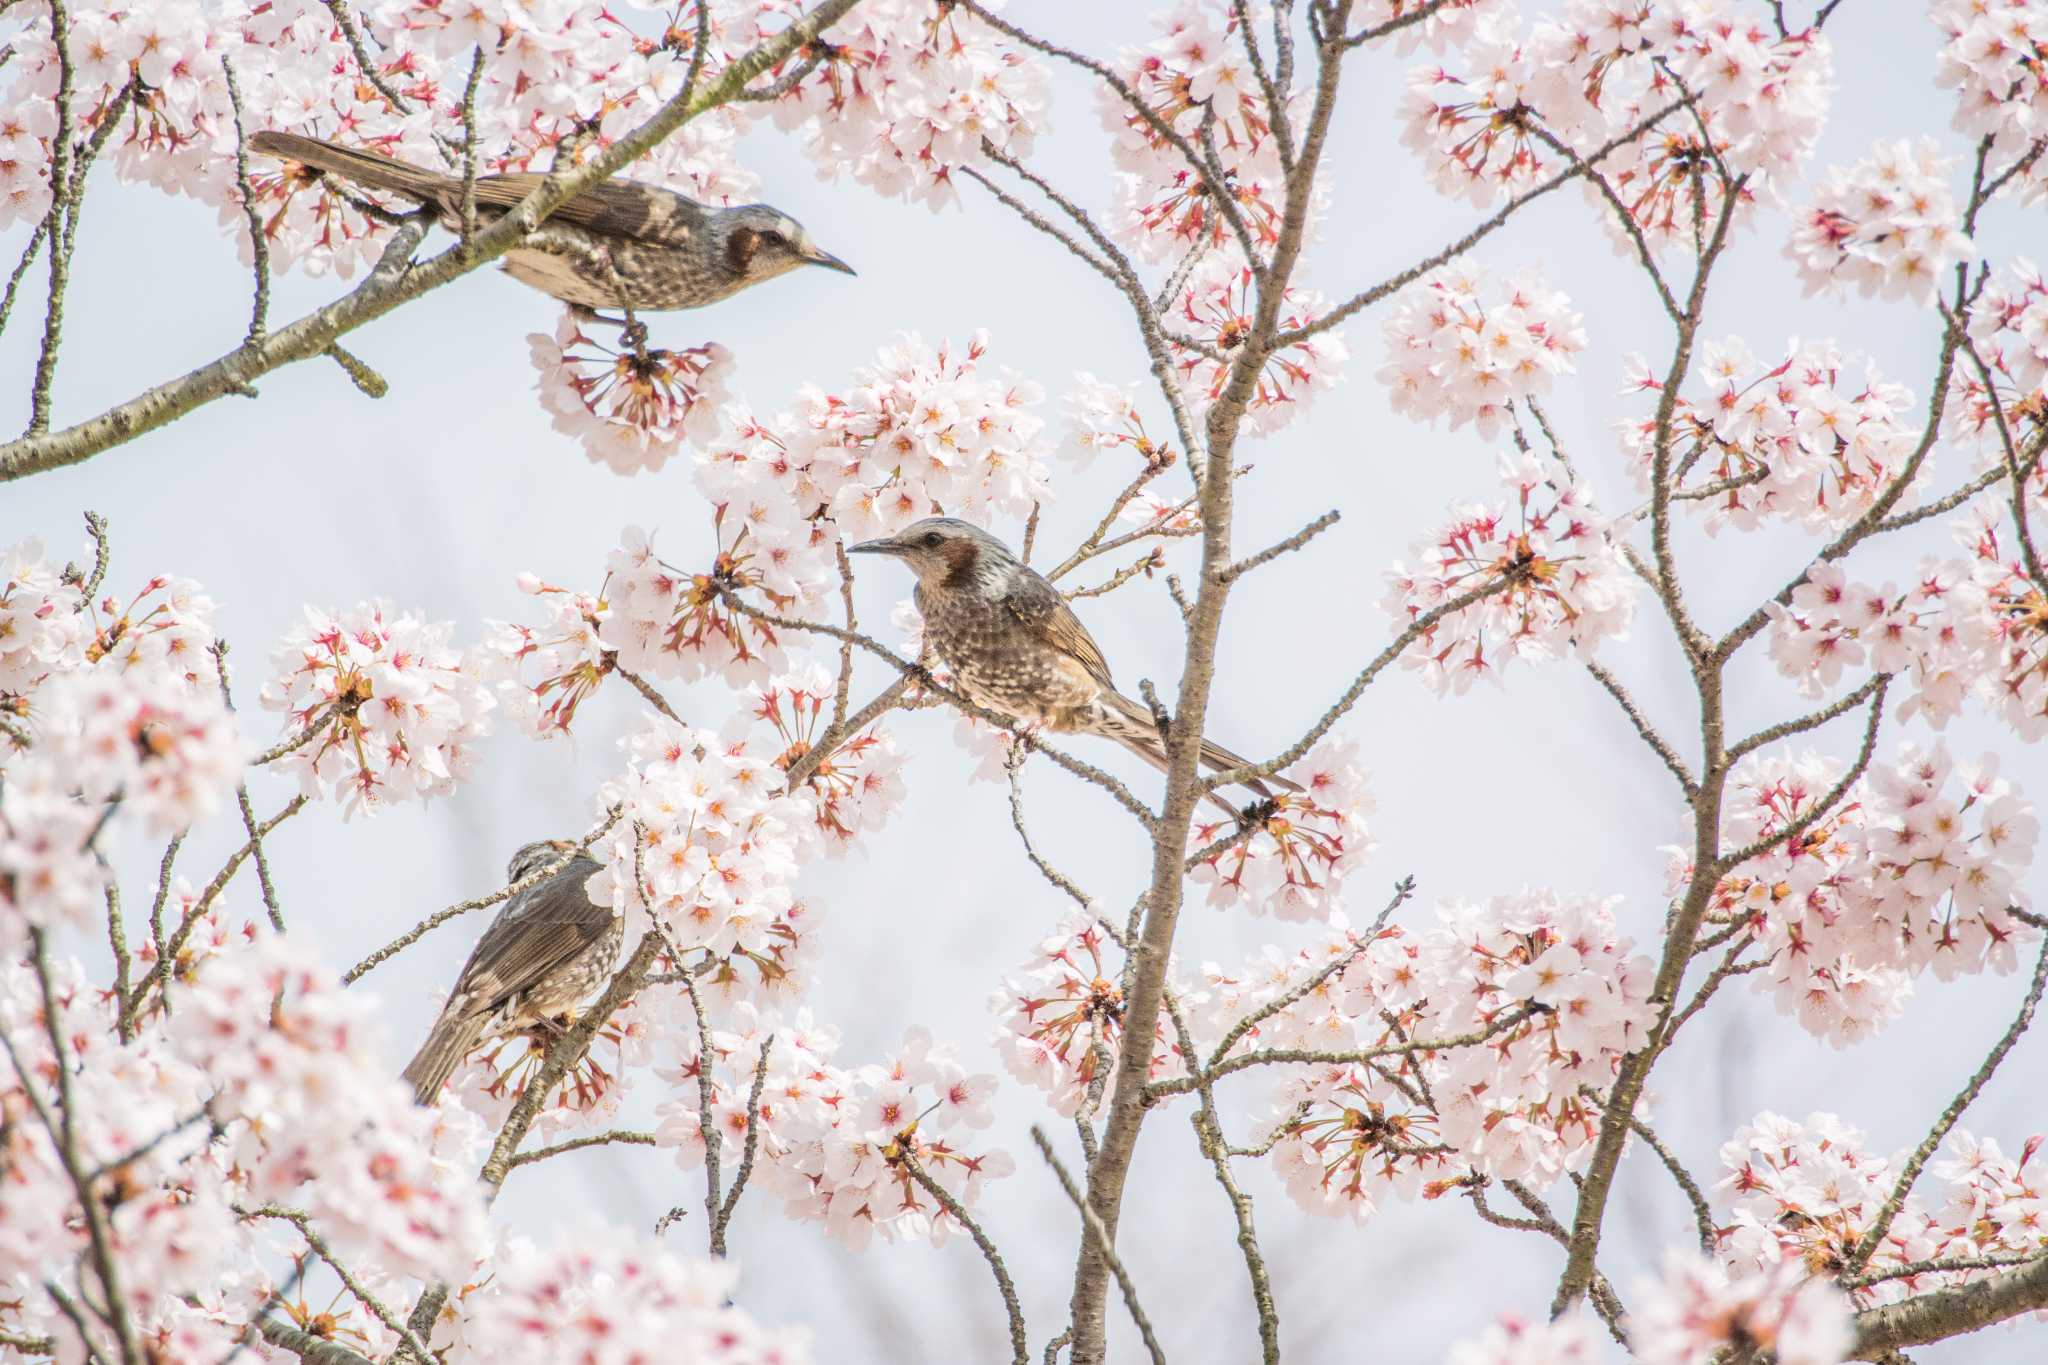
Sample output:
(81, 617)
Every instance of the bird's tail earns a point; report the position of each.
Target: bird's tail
(365, 168)
(1132, 726)
(453, 1035)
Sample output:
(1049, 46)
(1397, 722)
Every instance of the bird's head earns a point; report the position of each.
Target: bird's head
(758, 243)
(532, 857)
(942, 551)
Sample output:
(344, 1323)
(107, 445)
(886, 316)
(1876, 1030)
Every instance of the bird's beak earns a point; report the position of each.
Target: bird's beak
(828, 260)
(884, 546)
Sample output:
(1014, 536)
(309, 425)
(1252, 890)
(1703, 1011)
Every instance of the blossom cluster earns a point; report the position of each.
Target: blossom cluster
(165, 753)
(1480, 1047)
(1887, 225)
(1697, 1312)
(841, 1146)
(1977, 626)
(1061, 1017)
(1552, 581)
(908, 91)
(705, 848)
(1902, 874)
(1797, 438)
(1294, 864)
(1808, 1195)
(1993, 58)
(264, 1093)
(1457, 350)
(593, 1295)
(1216, 307)
(379, 706)
(631, 406)
(1522, 106)
(41, 630)
(113, 713)
(2007, 400)
(1195, 85)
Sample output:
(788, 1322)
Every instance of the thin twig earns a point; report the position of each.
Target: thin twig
(1092, 1223)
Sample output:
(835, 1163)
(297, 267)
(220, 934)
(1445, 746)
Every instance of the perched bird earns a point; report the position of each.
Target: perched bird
(619, 244)
(1016, 647)
(547, 949)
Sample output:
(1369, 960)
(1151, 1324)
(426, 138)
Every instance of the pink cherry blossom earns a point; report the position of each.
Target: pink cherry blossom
(1801, 439)
(1696, 1311)
(1887, 225)
(631, 407)
(1565, 586)
(386, 708)
(1457, 348)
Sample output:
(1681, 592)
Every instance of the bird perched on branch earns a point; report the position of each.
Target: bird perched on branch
(1016, 647)
(619, 244)
(547, 949)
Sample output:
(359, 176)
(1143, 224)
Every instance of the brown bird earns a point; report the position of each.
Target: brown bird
(1016, 647)
(619, 244)
(547, 949)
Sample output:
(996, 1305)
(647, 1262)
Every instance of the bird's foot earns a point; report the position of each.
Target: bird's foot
(549, 1027)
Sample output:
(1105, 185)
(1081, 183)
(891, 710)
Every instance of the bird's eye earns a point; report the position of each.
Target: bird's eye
(931, 540)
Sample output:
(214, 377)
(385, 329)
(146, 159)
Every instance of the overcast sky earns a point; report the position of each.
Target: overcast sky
(439, 494)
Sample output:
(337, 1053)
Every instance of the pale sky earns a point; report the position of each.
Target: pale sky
(436, 496)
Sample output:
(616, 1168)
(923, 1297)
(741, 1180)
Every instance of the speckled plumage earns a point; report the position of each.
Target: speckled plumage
(619, 244)
(548, 949)
(1016, 647)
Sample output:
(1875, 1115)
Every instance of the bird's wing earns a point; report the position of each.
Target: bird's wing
(645, 212)
(1038, 606)
(539, 929)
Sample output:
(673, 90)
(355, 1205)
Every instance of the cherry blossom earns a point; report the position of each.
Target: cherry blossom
(907, 92)
(856, 1176)
(853, 789)
(1476, 133)
(838, 1144)
(284, 1047)
(1194, 81)
(167, 627)
(1062, 1016)
(1800, 439)
(1294, 865)
(1216, 306)
(41, 629)
(143, 743)
(597, 1295)
(1570, 1340)
(1696, 1311)
(634, 406)
(1901, 875)
(2009, 336)
(565, 656)
(705, 845)
(1992, 59)
(1103, 417)
(1564, 586)
(1887, 225)
(382, 707)
(1534, 999)
(1454, 351)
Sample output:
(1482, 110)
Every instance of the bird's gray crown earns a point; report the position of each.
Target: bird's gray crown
(944, 548)
(531, 858)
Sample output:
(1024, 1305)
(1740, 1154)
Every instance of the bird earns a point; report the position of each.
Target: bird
(1016, 647)
(620, 244)
(547, 949)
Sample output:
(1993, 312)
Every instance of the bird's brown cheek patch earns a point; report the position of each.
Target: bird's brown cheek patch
(960, 557)
(740, 249)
